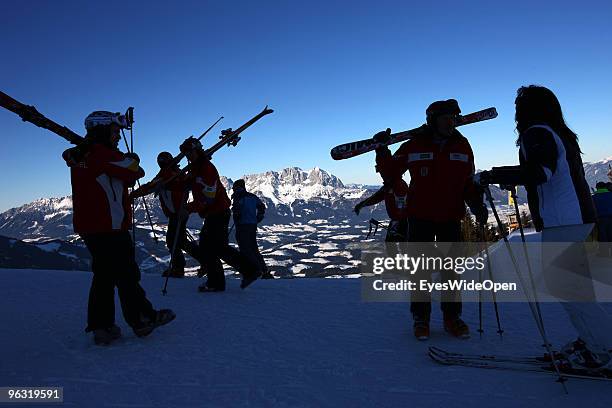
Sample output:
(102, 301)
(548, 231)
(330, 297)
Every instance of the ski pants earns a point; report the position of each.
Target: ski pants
(573, 282)
(428, 231)
(183, 244)
(113, 265)
(246, 237)
(604, 227)
(214, 247)
(397, 231)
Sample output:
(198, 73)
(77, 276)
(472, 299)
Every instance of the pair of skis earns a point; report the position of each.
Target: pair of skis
(30, 114)
(228, 137)
(352, 149)
(540, 365)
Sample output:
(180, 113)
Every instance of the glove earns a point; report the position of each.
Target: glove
(483, 178)
(481, 213)
(382, 137)
(358, 208)
(75, 155)
(133, 156)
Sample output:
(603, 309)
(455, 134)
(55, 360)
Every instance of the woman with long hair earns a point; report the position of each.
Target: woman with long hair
(558, 195)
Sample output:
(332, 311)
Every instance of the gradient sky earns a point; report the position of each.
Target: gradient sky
(333, 71)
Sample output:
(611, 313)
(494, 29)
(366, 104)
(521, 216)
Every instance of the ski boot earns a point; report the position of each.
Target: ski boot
(162, 317)
(421, 329)
(576, 356)
(457, 328)
(104, 337)
(247, 280)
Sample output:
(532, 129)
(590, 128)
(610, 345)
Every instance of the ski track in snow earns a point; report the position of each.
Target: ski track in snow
(285, 343)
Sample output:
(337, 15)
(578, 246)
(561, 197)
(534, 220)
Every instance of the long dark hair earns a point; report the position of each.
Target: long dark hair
(538, 105)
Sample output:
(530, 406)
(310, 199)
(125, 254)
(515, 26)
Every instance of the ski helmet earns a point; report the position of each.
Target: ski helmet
(439, 108)
(191, 143)
(106, 118)
(164, 158)
(238, 184)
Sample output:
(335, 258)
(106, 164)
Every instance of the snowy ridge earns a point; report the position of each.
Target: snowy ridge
(299, 203)
(293, 184)
(597, 171)
(37, 217)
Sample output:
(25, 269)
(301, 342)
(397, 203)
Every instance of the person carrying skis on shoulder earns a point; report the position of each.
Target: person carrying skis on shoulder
(211, 202)
(441, 166)
(173, 198)
(100, 176)
(558, 195)
(248, 211)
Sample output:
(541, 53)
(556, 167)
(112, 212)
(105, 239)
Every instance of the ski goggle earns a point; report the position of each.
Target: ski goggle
(105, 118)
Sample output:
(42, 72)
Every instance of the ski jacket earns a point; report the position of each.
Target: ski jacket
(247, 208)
(100, 184)
(209, 195)
(603, 202)
(396, 200)
(440, 176)
(173, 194)
(557, 191)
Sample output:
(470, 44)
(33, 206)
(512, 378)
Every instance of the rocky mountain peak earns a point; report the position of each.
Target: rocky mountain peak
(318, 176)
(292, 176)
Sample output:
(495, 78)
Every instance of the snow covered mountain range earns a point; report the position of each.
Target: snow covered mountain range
(309, 221)
(290, 195)
(308, 228)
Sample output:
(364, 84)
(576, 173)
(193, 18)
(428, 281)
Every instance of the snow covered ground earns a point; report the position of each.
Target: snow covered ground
(285, 343)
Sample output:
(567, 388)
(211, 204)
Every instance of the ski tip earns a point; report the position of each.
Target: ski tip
(267, 110)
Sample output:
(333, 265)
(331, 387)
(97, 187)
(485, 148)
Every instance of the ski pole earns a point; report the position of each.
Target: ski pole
(532, 307)
(500, 331)
(526, 252)
(174, 242)
(144, 202)
(231, 229)
(130, 118)
(376, 224)
(480, 330)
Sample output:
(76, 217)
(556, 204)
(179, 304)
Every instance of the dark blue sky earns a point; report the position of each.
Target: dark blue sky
(333, 71)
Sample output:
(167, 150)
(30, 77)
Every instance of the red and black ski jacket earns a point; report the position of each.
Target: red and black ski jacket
(100, 182)
(209, 194)
(440, 176)
(396, 200)
(174, 193)
(171, 194)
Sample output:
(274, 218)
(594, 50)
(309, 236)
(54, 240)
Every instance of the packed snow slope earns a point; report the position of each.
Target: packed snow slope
(282, 343)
